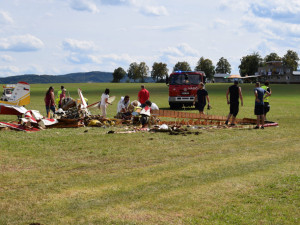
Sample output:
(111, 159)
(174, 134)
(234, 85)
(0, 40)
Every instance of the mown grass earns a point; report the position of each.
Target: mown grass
(85, 176)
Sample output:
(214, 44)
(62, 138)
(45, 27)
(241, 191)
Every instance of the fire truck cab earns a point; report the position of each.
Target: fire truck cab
(183, 86)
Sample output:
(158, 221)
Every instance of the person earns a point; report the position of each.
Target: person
(58, 94)
(145, 113)
(259, 105)
(122, 110)
(201, 97)
(266, 98)
(50, 101)
(61, 97)
(235, 93)
(104, 102)
(143, 95)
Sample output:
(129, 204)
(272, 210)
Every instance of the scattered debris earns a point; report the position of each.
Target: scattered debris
(74, 114)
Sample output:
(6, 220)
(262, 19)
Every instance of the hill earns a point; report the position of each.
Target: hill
(84, 77)
(80, 77)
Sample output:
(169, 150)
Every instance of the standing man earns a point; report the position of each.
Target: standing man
(58, 94)
(143, 95)
(259, 105)
(266, 98)
(235, 93)
(201, 96)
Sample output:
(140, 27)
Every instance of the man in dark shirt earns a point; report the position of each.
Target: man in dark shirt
(235, 93)
(201, 96)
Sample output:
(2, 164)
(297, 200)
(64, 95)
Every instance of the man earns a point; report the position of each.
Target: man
(266, 98)
(235, 93)
(143, 95)
(122, 110)
(201, 96)
(259, 105)
(58, 94)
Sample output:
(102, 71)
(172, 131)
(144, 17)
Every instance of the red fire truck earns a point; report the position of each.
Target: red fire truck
(183, 86)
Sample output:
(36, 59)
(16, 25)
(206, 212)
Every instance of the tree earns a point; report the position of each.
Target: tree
(250, 63)
(272, 57)
(206, 65)
(182, 66)
(143, 71)
(223, 66)
(290, 59)
(133, 71)
(159, 71)
(118, 75)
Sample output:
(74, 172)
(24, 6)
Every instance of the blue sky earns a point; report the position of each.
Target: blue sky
(64, 36)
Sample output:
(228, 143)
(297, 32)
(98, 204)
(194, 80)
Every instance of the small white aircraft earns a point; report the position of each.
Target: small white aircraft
(14, 104)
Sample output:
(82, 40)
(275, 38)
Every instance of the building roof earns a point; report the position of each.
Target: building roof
(221, 75)
(234, 76)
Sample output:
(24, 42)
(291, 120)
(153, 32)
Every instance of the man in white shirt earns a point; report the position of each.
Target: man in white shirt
(122, 110)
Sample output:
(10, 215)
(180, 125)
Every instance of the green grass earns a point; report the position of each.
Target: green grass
(232, 176)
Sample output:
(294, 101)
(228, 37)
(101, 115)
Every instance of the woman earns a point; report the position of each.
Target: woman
(104, 102)
(50, 101)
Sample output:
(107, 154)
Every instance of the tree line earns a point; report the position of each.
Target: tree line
(249, 65)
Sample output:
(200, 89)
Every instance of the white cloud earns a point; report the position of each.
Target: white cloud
(286, 11)
(6, 58)
(170, 28)
(8, 70)
(5, 18)
(154, 11)
(235, 5)
(116, 2)
(22, 43)
(219, 23)
(142, 6)
(84, 5)
(78, 46)
(265, 27)
(119, 58)
(76, 58)
(179, 53)
(180, 50)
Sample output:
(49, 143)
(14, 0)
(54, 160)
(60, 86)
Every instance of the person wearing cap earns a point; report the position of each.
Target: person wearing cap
(235, 93)
(143, 95)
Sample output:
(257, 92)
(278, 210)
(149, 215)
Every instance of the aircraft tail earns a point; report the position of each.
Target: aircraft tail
(20, 95)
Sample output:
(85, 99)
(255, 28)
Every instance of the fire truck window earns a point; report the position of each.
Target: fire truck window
(194, 79)
(185, 79)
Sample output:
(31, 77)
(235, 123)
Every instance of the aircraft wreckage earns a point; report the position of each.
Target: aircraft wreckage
(76, 113)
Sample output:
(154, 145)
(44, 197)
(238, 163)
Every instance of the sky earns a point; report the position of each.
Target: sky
(64, 36)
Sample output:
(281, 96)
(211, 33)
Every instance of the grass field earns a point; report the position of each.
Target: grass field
(86, 176)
